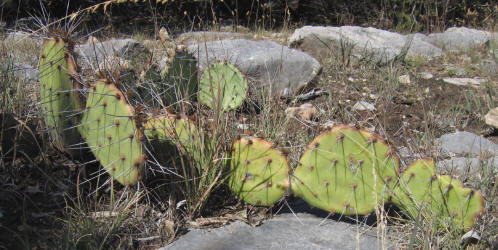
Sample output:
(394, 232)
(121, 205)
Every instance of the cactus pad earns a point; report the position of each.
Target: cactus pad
(110, 131)
(346, 170)
(171, 127)
(180, 76)
(259, 172)
(58, 97)
(421, 190)
(222, 85)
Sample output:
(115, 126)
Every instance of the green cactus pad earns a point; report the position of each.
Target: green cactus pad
(222, 85)
(346, 170)
(422, 192)
(58, 97)
(180, 77)
(171, 127)
(259, 172)
(110, 131)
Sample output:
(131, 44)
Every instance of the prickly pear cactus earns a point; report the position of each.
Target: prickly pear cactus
(259, 172)
(422, 191)
(346, 170)
(171, 127)
(180, 77)
(222, 86)
(110, 131)
(59, 98)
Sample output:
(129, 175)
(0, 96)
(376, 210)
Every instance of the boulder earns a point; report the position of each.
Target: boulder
(94, 53)
(279, 69)
(204, 36)
(466, 165)
(284, 231)
(462, 143)
(461, 38)
(367, 43)
(26, 72)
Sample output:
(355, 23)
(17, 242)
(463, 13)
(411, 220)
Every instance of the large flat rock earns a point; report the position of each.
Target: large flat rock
(284, 231)
(366, 43)
(281, 70)
(462, 38)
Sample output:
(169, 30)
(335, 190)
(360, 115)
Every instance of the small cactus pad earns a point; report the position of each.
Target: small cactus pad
(222, 85)
(259, 172)
(58, 98)
(110, 131)
(421, 190)
(180, 76)
(346, 170)
(171, 127)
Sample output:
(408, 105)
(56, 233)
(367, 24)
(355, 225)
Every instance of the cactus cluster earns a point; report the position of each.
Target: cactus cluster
(109, 114)
(344, 170)
(350, 171)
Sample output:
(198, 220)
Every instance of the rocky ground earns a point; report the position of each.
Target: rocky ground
(431, 95)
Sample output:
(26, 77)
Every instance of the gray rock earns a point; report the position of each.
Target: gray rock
(26, 72)
(489, 67)
(285, 231)
(204, 36)
(461, 38)
(94, 53)
(465, 165)
(362, 106)
(281, 70)
(376, 44)
(464, 81)
(426, 75)
(452, 70)
(464, 143)
(20, 36)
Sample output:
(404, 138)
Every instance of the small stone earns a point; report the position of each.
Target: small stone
(362, 106)
(92, 40)
(491, 118)
(404, 79)
(304, 112)
(426, 75)
(462, 143)
(163, 34)
(472, 82)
